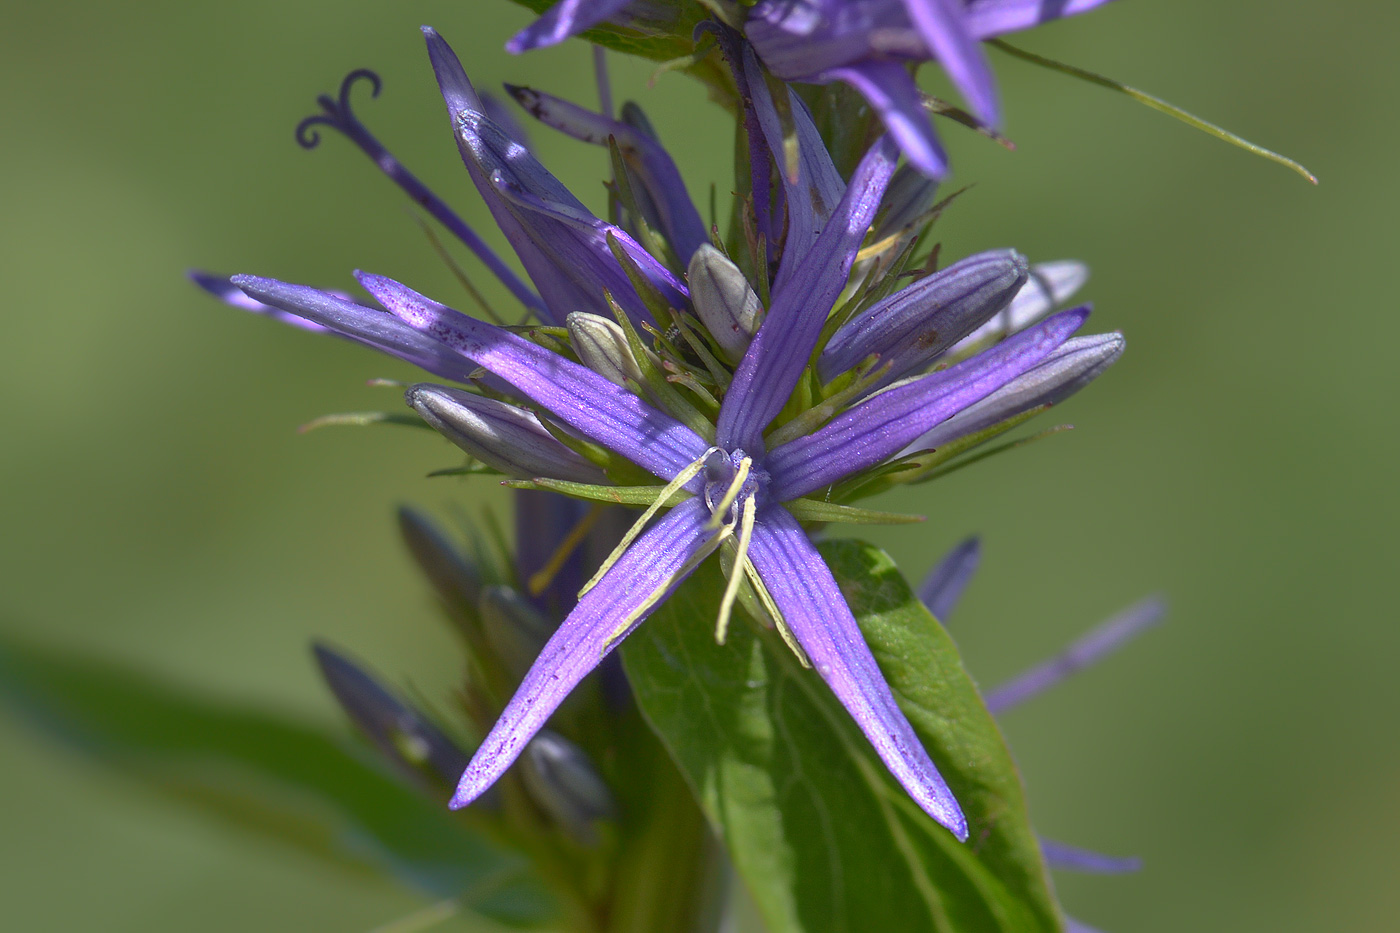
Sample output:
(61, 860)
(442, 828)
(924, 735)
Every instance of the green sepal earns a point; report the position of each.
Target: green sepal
(815, 510)
(612, 495)
(359, 419)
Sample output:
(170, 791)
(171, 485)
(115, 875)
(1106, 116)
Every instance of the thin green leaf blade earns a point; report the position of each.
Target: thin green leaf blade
(267, 775)
(824, 838)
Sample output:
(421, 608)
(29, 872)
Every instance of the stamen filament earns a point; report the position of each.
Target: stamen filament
(540, 579)
(765, 598)
(741, 559)
(656, 595)
(662, 498)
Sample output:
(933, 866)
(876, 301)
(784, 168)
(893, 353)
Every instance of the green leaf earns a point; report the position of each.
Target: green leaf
(822, 835)
(267, 775)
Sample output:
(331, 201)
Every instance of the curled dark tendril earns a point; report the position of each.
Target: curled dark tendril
(338, 114)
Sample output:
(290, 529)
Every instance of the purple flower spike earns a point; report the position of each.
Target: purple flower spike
(891, 92)
(819, 619)
(1089, 649)
(727, 491)
(590, 632)
(566, 18)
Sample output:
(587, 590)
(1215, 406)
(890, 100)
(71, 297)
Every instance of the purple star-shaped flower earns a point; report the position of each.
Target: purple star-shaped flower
(740, 480)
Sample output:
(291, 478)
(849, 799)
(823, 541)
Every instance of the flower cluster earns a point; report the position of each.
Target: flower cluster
(867, 44)
(766, 380)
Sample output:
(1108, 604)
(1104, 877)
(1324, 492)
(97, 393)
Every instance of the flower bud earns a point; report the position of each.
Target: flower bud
(910, 328)
(1075, 364)
(726, 303)
(452, 575)
(515, 630)
(1050, 284)
(501, 436)
(410, 742)
(564, 782)
(603, 348)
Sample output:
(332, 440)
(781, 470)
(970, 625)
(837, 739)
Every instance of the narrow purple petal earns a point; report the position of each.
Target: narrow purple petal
(221, 288)
(584, 638)
(368, 326)
(577, 244)
(1074, 364)
(940, 24)
(1088, 649)
(582, 399)
(986, 19)
(561, 244)
(644, 155)
(780, 350)
(1075, 926)
(944, 585)
(1071, 858)
(890, 89)
(566, 18)
(815, 192)
(820, 620)
(884, 424)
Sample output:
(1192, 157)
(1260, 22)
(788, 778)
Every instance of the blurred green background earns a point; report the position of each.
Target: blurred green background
(160, 508)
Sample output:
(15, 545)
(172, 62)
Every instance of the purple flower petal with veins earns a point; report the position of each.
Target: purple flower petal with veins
(820, 620)
(583, 639)
(780, 349)
(884, 424)
(566, 18)
(681, 223)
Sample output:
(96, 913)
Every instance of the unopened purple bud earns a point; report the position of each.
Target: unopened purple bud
(452, 575)
(563, 781)
(603, 347)
(724, 300)
(1050, 285)
(515, 630)
(410, 742)
(501, 436)
(910, 328)
(1077, 362)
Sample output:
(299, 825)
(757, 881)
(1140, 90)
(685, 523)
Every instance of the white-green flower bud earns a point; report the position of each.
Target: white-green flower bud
(603, 348)
(725, 302)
